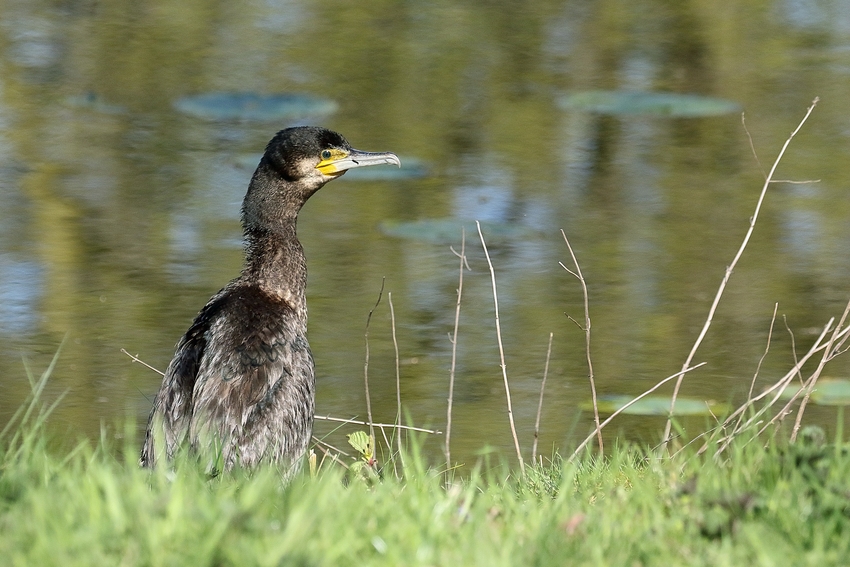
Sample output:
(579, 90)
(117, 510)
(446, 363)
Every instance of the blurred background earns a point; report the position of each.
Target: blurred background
(129, 131)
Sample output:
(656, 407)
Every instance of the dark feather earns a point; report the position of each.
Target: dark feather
(241, 385)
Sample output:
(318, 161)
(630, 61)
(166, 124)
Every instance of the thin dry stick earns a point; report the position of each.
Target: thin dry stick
(389, 447)
(382, 425)
(540, 403)
(502, 351)
(453, 340)
(729, 270)
(397, 383)
(143, 363)
(327, 452)
(366, 366)
(793, 345)
(586, 329)
(761, 360)
(590, 437)
(828, 355)
(339, 451)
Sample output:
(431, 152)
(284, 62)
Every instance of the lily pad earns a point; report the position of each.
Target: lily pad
(648, 103)
(253, 106)
(827, 392)
(448, 230)
(657, 405)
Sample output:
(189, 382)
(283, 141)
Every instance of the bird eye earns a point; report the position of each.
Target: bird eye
(326, 154)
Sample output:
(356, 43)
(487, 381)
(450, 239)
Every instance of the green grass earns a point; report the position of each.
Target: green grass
(780, 505)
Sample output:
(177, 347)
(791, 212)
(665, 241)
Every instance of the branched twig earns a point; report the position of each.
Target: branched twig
(453, 340)
(775, 391)
(540, 403)
(831, 349)
(586, 329)
(729, 270)
(502, 351)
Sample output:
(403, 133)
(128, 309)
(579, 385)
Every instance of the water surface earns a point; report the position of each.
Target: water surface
(120, 213)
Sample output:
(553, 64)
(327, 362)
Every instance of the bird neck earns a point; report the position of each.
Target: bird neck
(274, 261)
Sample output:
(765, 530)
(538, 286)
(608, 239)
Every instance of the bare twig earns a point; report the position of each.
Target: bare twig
(389, 449)
(331, 447)
(382, 425)
(761, 360)
(366, 365)
(540, 403)
(397, 384)
(453, 340)
(595, 432)
(752, 145)
(730, 268)
(502, 351)
(793, 347)
(143, 363)
(586, 329)
(327, 451)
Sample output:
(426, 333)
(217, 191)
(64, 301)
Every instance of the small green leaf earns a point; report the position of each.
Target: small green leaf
(362, 444)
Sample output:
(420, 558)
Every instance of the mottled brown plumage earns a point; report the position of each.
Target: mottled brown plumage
(241, 386)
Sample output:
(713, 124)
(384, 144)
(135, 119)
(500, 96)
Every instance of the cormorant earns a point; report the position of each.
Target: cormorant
(241, 385)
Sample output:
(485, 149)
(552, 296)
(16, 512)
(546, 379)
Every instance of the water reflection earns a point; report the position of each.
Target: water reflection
(118, 225)
(20, 290)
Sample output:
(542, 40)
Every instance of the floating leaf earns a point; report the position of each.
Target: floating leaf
(827, 392)
(448, 230)
(253, 106)
(657, 405)
(648, 103)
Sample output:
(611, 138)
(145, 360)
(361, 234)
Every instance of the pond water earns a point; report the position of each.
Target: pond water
(120, 207)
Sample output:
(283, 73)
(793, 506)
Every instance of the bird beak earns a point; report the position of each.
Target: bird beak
(339, 164)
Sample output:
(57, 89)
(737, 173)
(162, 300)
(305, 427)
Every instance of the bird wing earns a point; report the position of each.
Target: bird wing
(256, 355)
(172, 410)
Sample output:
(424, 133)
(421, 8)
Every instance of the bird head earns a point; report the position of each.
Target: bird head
(298, 162)
(312, 156)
